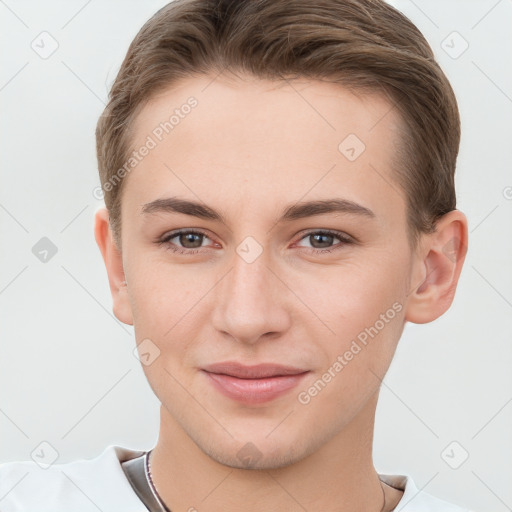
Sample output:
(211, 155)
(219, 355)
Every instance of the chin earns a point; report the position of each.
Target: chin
(257, 452)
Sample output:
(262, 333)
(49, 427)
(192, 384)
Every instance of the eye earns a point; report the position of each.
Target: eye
(187, 241)
(322, 241)
(191, 241)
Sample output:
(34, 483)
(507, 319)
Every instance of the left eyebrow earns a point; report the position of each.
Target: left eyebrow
(290, 213)
(311, 208)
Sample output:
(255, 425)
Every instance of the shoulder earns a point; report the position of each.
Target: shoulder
(415, 500)
(83, 485)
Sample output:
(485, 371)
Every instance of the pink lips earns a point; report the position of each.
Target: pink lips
(253, 384)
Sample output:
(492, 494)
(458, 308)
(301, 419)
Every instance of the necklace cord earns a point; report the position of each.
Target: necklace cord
(152, 484)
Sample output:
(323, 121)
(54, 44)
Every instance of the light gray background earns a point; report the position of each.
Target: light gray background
(68, 375)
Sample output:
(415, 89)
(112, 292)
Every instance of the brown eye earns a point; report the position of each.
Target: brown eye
(190, 240)
(184, 241)
(322, 241)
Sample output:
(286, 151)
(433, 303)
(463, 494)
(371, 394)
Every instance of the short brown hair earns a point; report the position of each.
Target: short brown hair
(365, 45)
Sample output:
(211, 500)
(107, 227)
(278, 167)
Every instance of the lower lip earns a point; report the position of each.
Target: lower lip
(254, 391)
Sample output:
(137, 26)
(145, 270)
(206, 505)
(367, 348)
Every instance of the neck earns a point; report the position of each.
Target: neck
(339, 476)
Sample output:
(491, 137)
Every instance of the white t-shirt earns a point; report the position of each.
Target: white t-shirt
(89, 485)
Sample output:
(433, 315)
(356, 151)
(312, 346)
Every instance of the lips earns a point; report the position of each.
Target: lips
(253, 384)
(258, 371)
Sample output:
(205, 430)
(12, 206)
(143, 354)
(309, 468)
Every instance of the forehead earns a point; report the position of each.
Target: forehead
(211, 136)
(250, 105)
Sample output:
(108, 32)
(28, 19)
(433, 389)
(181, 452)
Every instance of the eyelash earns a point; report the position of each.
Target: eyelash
(344, 239)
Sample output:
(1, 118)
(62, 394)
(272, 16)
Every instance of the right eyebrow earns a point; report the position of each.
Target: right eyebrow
(176, 205)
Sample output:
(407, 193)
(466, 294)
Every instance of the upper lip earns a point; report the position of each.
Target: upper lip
(258, 371)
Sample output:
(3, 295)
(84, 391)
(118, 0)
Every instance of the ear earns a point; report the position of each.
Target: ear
(114, 264)
(437, 268)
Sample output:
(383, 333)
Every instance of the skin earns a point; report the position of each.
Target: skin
(248, 150)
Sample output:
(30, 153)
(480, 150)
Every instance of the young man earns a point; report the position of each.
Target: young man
(279, 192)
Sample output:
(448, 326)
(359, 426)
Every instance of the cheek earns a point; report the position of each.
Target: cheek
(357, 359)
(352, 297)
(161, 294)
(164, 313)
(364, 307)
(169, 306)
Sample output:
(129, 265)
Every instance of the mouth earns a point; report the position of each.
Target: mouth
(253, 384)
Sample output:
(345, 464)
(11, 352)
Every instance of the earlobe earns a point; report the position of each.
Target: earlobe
(439, 265)
(112, 257)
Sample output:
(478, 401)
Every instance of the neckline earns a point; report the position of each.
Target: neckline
(137, 471)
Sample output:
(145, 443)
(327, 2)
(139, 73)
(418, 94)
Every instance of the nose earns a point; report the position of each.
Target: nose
(251, 301)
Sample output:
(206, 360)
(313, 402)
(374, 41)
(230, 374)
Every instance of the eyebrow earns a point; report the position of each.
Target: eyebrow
(290, 213)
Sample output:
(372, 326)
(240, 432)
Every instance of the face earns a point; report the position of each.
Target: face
(265, 229)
